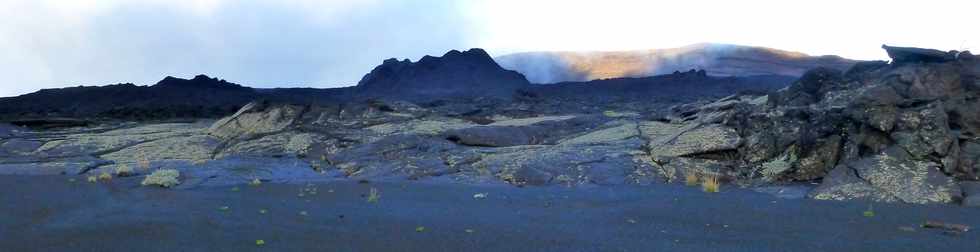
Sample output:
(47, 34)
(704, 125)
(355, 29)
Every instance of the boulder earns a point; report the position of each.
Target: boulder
(908, 179)
(700, 140)
(917, 55)
(255, 119)
(843, 183)
(971, 193)
(901, 132)
(969, 160)
(923, 130)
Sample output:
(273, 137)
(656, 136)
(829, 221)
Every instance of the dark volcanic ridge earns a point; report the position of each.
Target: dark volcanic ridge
(459, 77)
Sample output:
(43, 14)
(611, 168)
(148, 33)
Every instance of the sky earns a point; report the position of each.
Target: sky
(333, 43)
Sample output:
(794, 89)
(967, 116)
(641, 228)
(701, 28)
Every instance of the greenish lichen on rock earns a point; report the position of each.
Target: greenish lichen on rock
(164, 178)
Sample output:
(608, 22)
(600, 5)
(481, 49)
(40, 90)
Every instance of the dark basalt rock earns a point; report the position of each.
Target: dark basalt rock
(922, 55)
(468, 73)
(903, 131)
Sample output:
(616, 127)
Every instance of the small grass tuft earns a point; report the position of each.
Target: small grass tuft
(143, 161)
(870, 212)
(123, 170)
(691, 178)
(373, 196)
(105, 176)
(710, 184)
(259, 242)
(93, 179)
(255, 182)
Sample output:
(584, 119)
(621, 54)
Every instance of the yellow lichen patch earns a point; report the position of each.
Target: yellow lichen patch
(247, 122)
(421, 127)
(621, 132)
(123, 170)
(117, 139)
(617, 114)
(530, 120)
(699, 140)
(690, 178)
(105, 176)
(177, 148)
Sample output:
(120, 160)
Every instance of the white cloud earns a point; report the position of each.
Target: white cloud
(848, 28)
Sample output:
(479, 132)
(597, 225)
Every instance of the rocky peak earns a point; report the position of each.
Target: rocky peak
(472, 71)
(692, 72)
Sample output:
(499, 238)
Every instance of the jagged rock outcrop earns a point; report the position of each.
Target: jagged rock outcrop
(468, 73)
(922, 55)
(905, 131)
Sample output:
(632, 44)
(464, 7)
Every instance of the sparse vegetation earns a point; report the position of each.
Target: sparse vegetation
(143, 161)
(93, 179)
(373, 196)
(710, 184)
(691, 178)
(105, 176)
(163, 178)
(255, 182)
(123, 170)
(316, 167)
(870, 212)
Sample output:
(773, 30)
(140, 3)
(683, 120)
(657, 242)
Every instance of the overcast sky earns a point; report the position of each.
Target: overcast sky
(331, 43)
